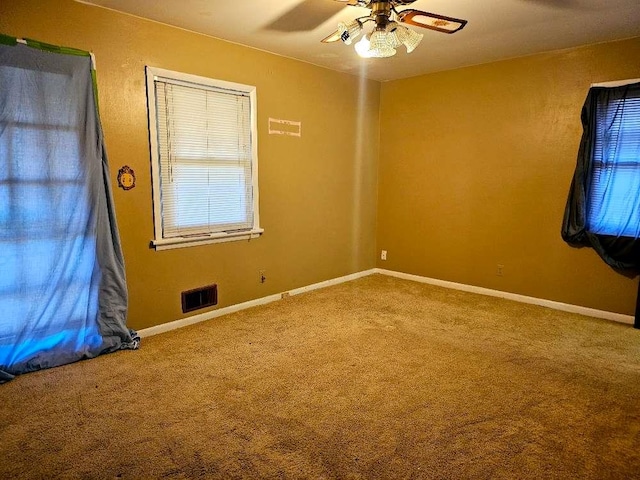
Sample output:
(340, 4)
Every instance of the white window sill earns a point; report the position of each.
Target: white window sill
(182, 242)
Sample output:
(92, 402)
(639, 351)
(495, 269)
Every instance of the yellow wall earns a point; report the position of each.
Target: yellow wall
(317, 193)
(475, 167)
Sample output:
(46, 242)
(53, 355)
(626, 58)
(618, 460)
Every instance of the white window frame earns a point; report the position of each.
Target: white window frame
(160, 242)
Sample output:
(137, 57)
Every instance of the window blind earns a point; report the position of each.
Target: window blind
(204, 139)
(614, 194)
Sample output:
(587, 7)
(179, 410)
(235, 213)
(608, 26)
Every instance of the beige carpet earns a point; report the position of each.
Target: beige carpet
(376, 378)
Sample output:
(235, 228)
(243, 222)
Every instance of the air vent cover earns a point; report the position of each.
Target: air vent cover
(199, 298)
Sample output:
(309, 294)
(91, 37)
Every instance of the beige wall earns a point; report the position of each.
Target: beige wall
(317, 193)
(475, 167)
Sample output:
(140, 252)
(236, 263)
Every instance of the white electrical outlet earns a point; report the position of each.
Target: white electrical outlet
(500, 270)
(383, 255)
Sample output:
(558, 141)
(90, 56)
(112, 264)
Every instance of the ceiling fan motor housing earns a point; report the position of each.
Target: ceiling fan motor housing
(381, 13)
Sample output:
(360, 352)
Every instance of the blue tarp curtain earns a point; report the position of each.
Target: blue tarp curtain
(603, 207)
(63, 294)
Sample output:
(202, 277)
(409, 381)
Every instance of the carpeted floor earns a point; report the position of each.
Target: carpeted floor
(375, 378)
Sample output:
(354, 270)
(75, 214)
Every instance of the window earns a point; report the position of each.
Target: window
(204, 159)
(63, 293)
(45, 253)
(603, 205)
(614, 193)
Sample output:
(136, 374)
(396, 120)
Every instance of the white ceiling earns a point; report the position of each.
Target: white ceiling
(497, 29)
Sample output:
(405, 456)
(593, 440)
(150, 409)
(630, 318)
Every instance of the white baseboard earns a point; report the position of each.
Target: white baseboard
(183, 322)
(565, 307)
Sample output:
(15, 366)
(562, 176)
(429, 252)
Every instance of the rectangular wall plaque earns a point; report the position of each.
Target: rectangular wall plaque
(285, 127)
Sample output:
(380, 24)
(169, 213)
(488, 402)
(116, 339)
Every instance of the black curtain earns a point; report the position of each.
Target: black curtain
(604, 178)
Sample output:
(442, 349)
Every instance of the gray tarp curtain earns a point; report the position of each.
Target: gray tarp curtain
(607, 177)
(63, 294)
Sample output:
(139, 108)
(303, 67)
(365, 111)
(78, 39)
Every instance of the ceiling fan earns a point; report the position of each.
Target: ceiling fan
(389, 32)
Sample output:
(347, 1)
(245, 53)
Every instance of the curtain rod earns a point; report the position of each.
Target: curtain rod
(616, 83)
(93, 57)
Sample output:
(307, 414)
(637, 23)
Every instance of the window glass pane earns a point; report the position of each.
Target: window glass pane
(205, 159)
(10, 260)
(617, 212)
(228, 196)
(614, 196)
(49, 273)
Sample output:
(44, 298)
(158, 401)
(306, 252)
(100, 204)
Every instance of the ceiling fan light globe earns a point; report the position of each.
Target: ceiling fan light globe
(412, 40)
(402, 33)
(383, 53)
(393, 29)
(380, 45)
(393, 39)
(362, 47)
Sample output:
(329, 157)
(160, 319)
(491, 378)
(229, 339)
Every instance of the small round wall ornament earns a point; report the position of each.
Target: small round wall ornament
(126, 178)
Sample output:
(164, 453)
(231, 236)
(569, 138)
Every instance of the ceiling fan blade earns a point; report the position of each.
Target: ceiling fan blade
(432, 21)
(334, 37)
